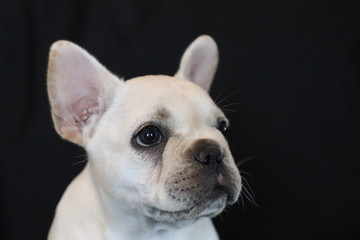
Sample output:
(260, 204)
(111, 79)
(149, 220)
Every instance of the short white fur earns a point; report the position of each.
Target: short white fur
(123, 192)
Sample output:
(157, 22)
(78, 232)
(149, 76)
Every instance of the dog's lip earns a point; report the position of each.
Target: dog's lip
(229, 188)
(213, 200)
(216, 193)
(163, 215)
(187, 210)
(202, 209)
(230, 195)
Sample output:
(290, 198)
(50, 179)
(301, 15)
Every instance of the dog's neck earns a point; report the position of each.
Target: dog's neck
(120, 218)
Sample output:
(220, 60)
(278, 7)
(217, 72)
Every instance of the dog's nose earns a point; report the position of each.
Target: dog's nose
(207, 152)
(210, 155)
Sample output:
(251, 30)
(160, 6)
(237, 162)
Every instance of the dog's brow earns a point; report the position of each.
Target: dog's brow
(162, 113)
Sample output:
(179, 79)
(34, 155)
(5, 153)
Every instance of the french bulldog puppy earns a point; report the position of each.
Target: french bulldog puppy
(158, 166)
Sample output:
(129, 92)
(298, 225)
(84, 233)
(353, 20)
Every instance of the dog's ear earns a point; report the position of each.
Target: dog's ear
(80, 90)
(199, 62)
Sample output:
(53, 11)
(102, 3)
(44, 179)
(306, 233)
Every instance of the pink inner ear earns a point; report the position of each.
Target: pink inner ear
(77, 94)
(76, 78)
(83, 109)
(79, 89)
(77, 114)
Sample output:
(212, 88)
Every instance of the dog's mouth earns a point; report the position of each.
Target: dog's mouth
(209, 205)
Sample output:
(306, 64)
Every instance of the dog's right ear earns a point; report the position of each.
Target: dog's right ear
(199, 62)
(80, 90)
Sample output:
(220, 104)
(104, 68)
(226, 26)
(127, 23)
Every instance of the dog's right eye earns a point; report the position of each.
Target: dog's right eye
(223, 127)
(149, 136)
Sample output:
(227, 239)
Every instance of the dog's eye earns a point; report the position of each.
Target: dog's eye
(149, 136)
(223, 127)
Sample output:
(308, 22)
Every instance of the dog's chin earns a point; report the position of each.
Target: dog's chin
(210, 206)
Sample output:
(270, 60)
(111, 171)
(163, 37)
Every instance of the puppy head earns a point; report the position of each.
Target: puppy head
(154, 142)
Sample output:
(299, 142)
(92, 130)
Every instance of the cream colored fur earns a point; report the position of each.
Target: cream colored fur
(127, 191)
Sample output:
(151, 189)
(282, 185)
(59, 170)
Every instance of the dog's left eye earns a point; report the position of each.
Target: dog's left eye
(149, 136)
(223, 127)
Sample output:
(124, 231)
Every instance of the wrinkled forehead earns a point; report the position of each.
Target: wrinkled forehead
(168, 97)
(162, 85)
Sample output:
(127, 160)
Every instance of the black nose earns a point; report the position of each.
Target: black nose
(210, 155)
(207, 152)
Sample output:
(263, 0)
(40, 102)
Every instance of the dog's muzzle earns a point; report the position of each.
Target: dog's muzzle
(211, 156)
(204, 184)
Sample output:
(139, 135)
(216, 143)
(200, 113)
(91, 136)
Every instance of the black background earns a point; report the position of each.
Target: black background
(290, 70)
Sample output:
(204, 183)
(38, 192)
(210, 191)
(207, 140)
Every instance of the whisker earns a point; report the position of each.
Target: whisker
(227, 97)
(246, 160)
(246, 173)
(242, 202)
(227, 210)
(248, 185)
(228, 107)
(218, 96)
(81, 161)
(229, 110)
(249, 197)
(231, 104)
(222, 218)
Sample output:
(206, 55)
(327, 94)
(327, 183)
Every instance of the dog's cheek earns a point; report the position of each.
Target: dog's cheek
(115, 170)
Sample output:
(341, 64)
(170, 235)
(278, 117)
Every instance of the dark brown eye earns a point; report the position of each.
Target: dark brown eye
(149, 136)
(223, 127)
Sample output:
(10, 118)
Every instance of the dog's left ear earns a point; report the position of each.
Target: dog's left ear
(80, 91)
(199, 62)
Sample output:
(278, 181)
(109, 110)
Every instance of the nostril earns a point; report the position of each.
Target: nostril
(204, 158)
(210, 157)
(207, 152)
(219, 158)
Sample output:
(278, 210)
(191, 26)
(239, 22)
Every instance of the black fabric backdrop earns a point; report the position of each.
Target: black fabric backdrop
(292, 68)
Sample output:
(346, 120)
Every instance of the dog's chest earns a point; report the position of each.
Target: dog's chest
(200, 230)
